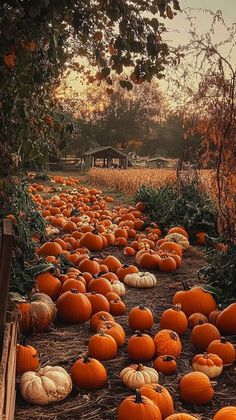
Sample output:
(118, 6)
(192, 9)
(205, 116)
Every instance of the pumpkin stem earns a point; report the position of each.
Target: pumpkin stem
(142, 307)
(74, 291)
(205, 354)
(138, 333)
(223, 340)
(173, 335)
(200, 322)
(177, 307)
(138, 397)
(140, 367)
(168, 358)
(101, 332)
(86, 359)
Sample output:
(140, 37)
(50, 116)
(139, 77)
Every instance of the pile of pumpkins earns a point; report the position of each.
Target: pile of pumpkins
(92, 290)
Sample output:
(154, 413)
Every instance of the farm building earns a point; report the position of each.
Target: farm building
(159, 162)
(105, 157)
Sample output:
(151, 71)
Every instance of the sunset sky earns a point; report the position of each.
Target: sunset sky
(178, 28)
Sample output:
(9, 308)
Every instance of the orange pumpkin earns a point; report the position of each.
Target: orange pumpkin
(100, 317)
(226, 320)
(195, 319)
(141, 318)
(203, 335)
(102, 346)
(174, 319)
(167, 342)
(226, 413)
(138, 407)
(113, 329)
(160, 396)
(195, 388)
(92, 241)
(49, 284)
(165, 364)
(100, 285)
(141, 347)
(224, 349)
(98, 302)
(195, 300)
(88, 373)
(74, 307)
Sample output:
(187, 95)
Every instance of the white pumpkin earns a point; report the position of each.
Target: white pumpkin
(210, 364)
(178, 238)
(118, 287)
(136, 376)
(142, 279)
(47, 385)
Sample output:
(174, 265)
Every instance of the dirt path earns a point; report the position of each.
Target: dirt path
(64, 343)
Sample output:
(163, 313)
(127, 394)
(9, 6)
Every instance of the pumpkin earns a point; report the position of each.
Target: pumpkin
(149, 260)
(37, 314)
(112, 263)
(141, 347)
(214, 315)
(178, 238)
(102, 346)
(100, 317)
(113, 329)
(178, 229)
(195, 388)
(142, 280)
(226, 413)
(165, 364)
(167, 342)
(98, 302)
(72, 283)
(26, 358)
(203, 335)
(50, 248)
(135, 376)
(112, 296)
(138, 407)
(141, 318)
(117, 307)
(181, 416)
(88, 373)
(195, 300)
(201, 238)
(74, 307)
(195, 319)
(166, 263)
(129, 251)
(89, 265)
(100, 285)
(47, 385)
(224, 349)
(171, 247)
(125, 270)
(48, 284)
(208, 363)
(160, 396)
(226, 320)
(92, 241)
(118, 287)
(174, 319)
(141, 206)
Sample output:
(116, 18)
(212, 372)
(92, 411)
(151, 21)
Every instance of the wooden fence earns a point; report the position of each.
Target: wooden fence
(8, 328)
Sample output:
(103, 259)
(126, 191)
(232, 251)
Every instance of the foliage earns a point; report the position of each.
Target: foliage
(183, 203)
(206, 88)
(220, 273)
(38, 40)
(17, 201)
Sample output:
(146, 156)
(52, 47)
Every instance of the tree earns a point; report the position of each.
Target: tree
(208, 86)
(120, 117)
(39, 38)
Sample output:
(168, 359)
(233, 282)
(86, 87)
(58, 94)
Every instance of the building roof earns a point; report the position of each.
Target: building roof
(103, 151)
(160, 159)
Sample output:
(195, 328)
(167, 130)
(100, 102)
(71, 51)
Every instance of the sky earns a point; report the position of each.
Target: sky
(177, 29)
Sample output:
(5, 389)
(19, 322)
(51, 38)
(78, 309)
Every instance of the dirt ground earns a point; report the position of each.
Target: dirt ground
(63, 344)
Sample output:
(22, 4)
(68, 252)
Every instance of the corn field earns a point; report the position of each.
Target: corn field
(130, 180)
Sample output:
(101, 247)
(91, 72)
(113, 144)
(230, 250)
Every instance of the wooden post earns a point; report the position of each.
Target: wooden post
(5, 269)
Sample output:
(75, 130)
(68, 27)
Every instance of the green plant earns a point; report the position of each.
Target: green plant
(220, 273)
(183, 202)
(17, 201)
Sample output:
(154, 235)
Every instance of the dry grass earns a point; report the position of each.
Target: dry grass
(130, 180)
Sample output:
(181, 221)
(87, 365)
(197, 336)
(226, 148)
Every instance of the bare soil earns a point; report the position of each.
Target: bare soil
(63, 344)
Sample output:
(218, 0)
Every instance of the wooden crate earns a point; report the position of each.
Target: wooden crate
(8, 372)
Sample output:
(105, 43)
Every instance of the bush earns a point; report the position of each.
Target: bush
(220, 273)
(181, 203)
(17, 201)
